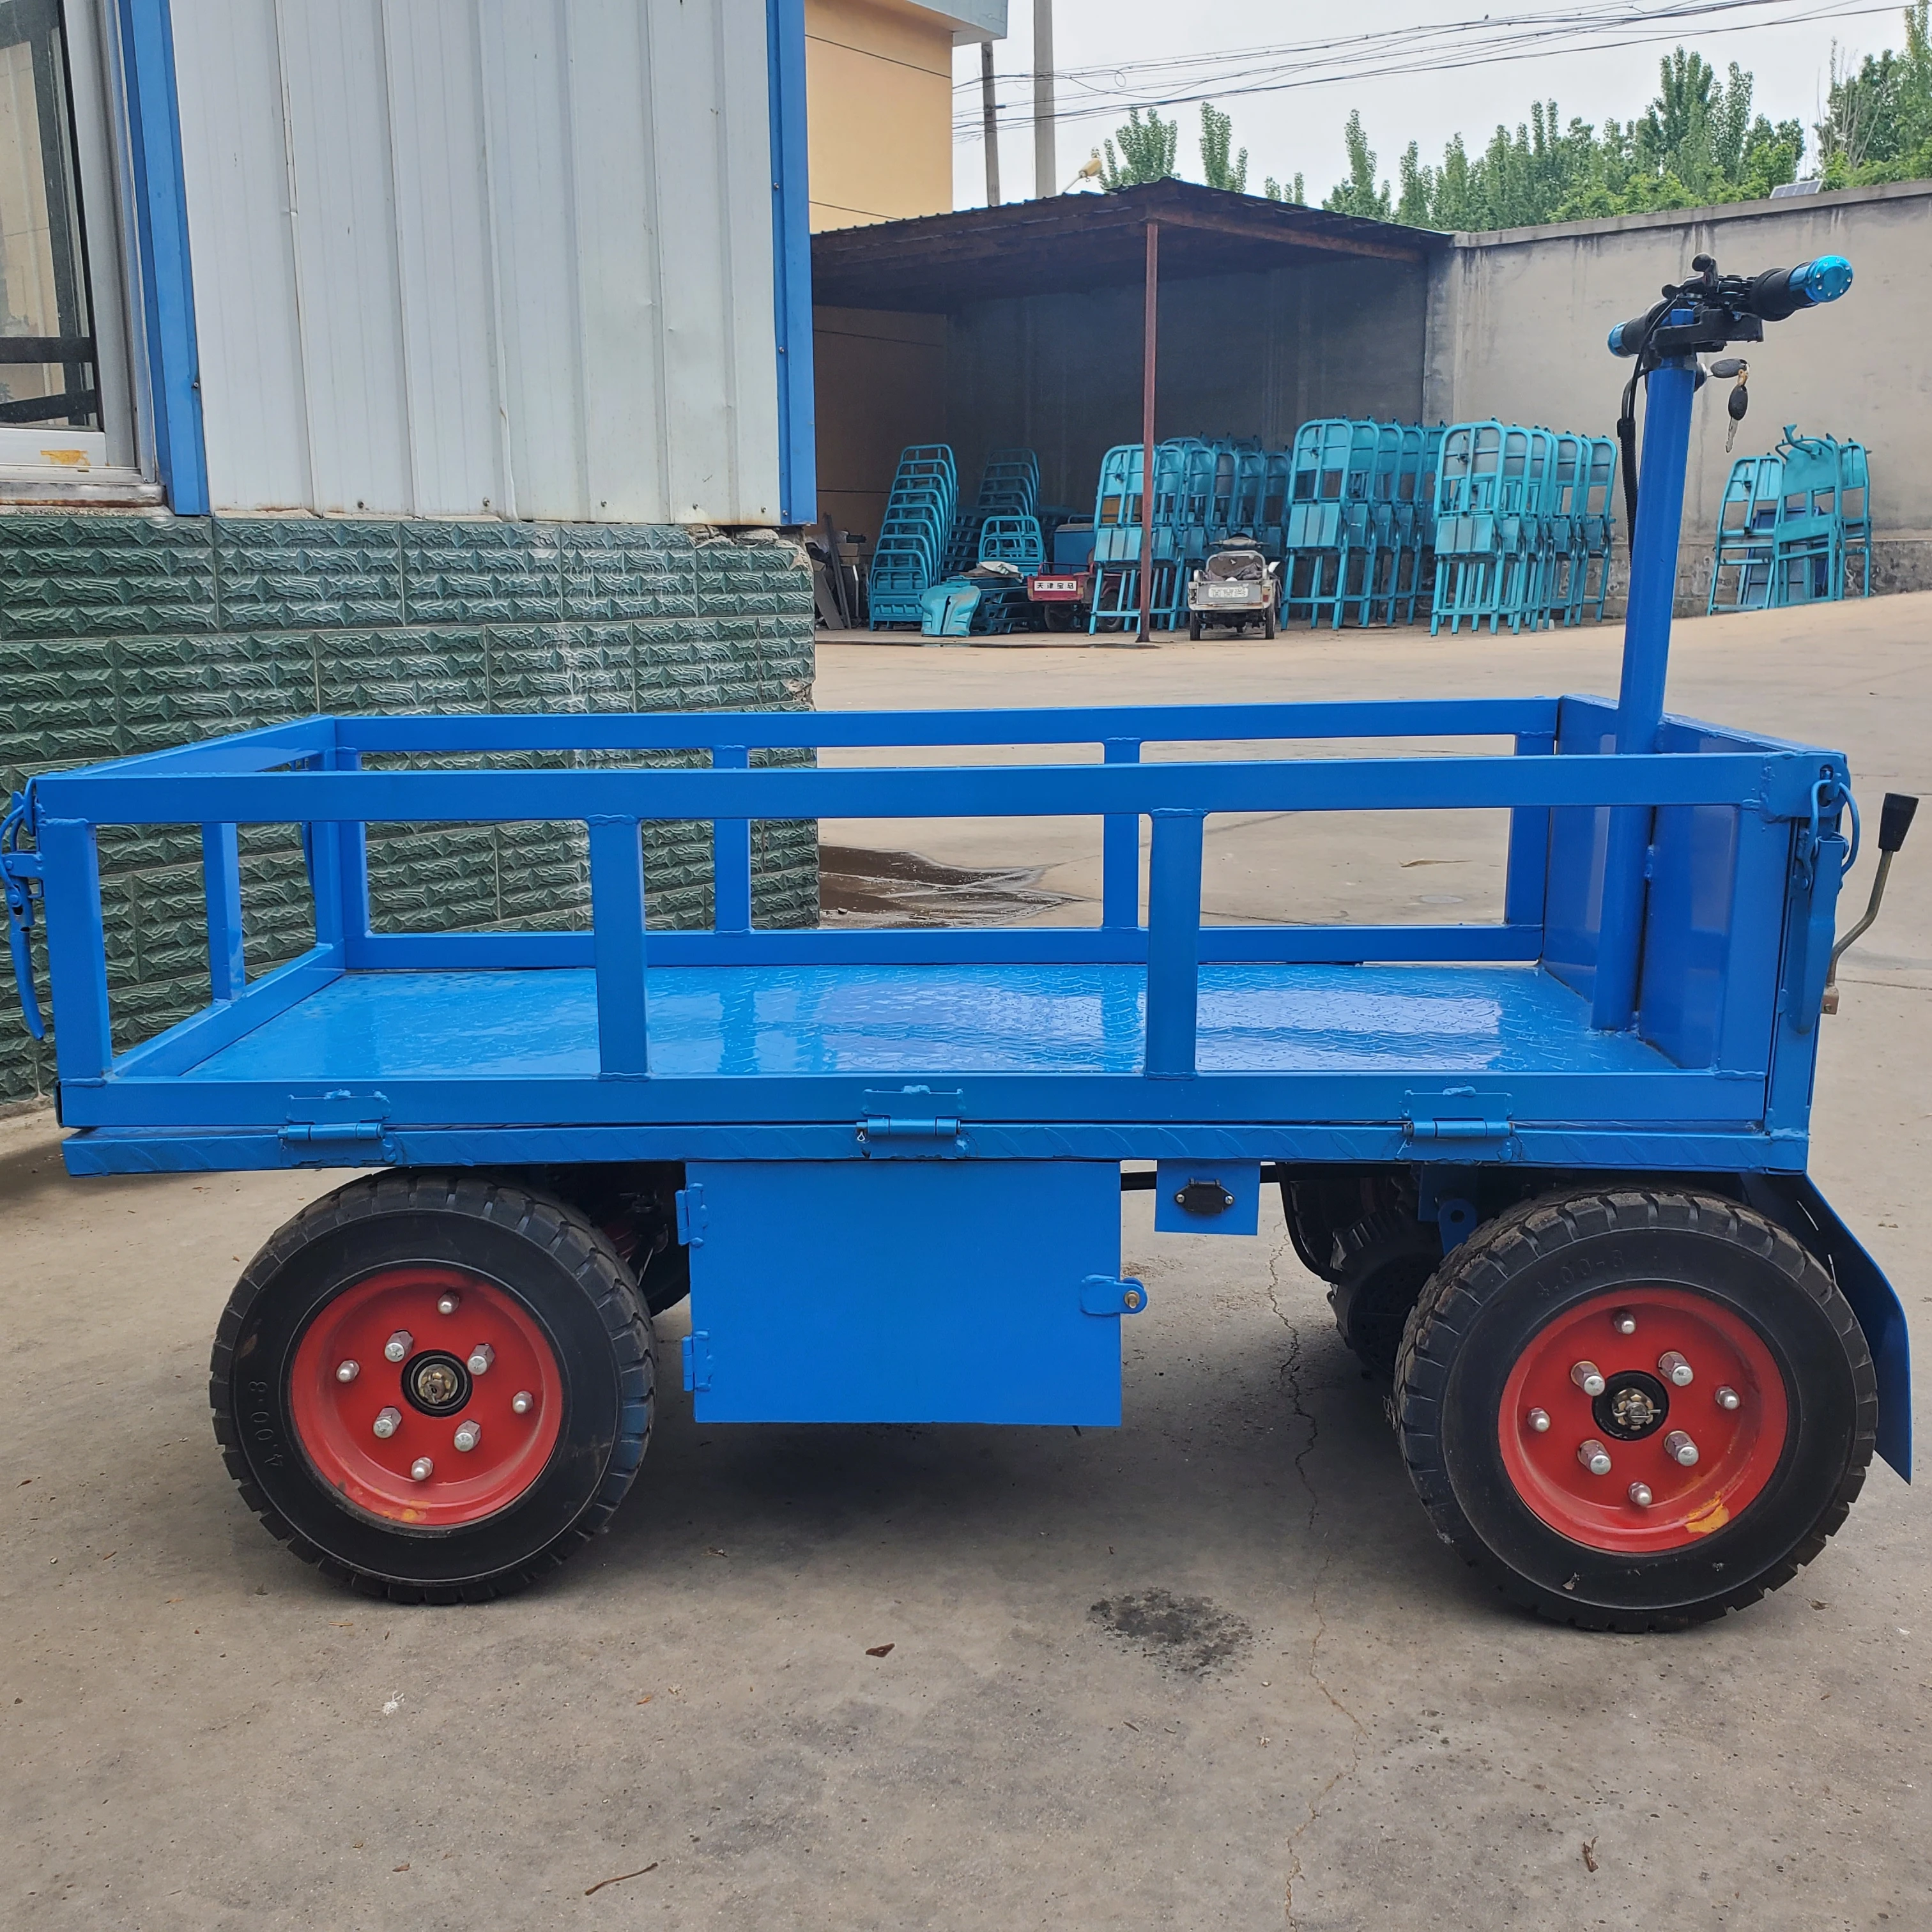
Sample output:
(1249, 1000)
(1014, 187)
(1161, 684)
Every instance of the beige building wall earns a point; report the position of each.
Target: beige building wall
(1518, 318)
(879, 111)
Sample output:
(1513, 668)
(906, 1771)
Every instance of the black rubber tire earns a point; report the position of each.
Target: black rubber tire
(1493, 1294)
(1194, 625)
(1268, 625)
(1385, 1262)
(533, 1247)
(1318, 1201)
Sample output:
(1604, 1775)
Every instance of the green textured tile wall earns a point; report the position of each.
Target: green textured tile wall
(122, 633)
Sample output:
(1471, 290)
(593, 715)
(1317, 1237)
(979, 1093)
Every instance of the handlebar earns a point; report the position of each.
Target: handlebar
(1730, 308)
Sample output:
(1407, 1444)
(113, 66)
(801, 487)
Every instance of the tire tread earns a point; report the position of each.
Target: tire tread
(581, 1248)
(1530, 1231)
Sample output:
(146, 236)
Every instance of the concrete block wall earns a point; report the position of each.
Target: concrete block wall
(1517, 321)
(123, 634)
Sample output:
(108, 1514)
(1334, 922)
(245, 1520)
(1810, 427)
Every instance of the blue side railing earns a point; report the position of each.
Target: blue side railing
(313, 774)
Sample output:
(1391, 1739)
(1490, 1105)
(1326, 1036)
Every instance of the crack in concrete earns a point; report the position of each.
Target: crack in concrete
(1291, 1381)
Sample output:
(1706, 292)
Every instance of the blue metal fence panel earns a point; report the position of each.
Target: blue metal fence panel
(1069, 1041)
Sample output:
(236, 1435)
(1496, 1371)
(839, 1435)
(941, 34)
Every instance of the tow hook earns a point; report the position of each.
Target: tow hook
(1894, 821)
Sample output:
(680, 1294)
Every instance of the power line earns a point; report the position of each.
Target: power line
(1444, 48)
(1421, 42)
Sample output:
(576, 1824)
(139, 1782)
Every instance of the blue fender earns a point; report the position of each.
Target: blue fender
(1793, 1200)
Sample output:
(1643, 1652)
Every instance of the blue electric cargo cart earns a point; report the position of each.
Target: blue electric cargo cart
(1553, 1167)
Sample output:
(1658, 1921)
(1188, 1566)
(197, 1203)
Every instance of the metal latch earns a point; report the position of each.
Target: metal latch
(1104, 1294)
(20, 875)
(1459, 1114)
(689, 1202)
(697, 1361)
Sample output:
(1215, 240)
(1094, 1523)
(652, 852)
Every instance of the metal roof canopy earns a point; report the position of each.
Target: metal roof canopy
(1065, 244)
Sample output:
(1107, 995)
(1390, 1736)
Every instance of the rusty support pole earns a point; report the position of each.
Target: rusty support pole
(1147, 430)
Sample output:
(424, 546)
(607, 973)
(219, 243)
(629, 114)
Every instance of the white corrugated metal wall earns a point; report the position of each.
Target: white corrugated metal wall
(494, 257)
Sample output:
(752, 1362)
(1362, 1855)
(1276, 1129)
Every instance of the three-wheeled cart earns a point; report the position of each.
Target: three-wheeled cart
(1062, 591)
(1553, 1167)
(1236, 586)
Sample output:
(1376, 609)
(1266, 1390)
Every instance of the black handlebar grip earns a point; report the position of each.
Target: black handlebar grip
(1627, 337)
(1895, 819)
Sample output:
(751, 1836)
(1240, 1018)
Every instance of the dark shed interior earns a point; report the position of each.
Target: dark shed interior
(1023, 325)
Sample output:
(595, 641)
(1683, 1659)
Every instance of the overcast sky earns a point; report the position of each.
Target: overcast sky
(1301, 129)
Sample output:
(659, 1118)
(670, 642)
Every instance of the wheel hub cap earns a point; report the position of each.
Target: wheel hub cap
(1633, 1410)
(438, 1384)
(1545, 1421)
(387, 1440)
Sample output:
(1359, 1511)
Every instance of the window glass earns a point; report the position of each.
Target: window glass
(47, 365)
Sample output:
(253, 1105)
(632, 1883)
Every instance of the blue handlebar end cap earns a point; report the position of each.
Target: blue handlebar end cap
(1617, 340)
(1824, 280)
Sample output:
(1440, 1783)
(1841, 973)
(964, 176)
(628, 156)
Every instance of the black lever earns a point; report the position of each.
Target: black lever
(1894, 821)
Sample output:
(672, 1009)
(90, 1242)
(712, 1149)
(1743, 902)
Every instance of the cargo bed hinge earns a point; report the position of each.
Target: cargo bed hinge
(331, 1133)
(909, 1120)
(697, 1362)
(1472, 1122)
(343, 1119)
(689, 1200)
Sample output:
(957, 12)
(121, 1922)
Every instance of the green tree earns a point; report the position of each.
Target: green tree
(1697, 142)
(1146, 153)
(1359, 195)
(1295, 191)
(1878, 116)
(1217, 136)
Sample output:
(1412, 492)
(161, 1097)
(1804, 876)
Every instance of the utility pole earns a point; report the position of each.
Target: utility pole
(1046, 167)
(989, 120)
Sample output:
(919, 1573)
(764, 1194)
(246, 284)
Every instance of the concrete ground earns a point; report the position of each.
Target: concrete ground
(1212, 1670)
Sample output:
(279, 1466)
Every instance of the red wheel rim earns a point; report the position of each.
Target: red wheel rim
(432, 1405)
(1738, 1446)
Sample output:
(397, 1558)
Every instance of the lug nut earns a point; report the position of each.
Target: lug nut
(522, 1402)
(1680, 1448)
(1673, 1368)
(1639, 1494)
(1624, 1322)
(388, 1422)
(1538, 1419)
(347, 1372)
(448, 1302)
(421, 1469)
(468, 1435)
(1589, 1378)
(397, 1348)
(1594, 1457)
(1727, 1398)
(480, 1357)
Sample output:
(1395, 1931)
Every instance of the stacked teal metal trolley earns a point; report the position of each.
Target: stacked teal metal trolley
(1553, 1167)
(1795, 527)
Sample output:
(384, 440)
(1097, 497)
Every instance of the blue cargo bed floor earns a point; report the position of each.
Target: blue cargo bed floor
(542, 1023)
